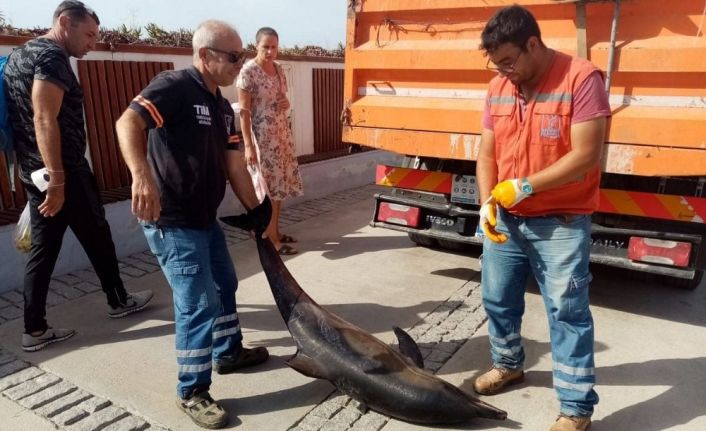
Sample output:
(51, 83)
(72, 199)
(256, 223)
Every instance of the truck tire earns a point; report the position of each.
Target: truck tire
(687, 284)
(458, 247)
(665, 280)
(422, 240)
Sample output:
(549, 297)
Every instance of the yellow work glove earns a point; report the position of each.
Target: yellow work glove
(488, 221)
(510, 192)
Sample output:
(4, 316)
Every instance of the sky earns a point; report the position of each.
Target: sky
(298, 22)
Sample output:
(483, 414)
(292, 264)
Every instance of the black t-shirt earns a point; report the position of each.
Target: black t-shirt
(189, 131)
(42, 59)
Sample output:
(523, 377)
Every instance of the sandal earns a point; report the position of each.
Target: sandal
(287, 239)
(204, 411)
(287, 250)
(246, 358)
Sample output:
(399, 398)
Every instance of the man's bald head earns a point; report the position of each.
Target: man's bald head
(209, 33)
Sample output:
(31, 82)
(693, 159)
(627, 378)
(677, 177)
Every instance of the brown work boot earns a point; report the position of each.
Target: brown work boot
(571, 423)
(495, 379)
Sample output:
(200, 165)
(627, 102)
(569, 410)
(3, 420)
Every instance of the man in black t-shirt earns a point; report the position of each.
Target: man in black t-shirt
(177, 188)
(45, 104)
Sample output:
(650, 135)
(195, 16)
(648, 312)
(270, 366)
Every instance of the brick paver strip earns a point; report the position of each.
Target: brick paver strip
(11, 312)
(134, 272)
(128, 423)
(311, 423)
(140, 264)
(17, 372)
(94, 404)
(47, 395)
(54, 299)
(62, 404)
(68, 279)
(68, 292)
(87, 287)
(31, 386)
(80, 411)
(69, 416)
(87, 275)
(13, 297)
(100, 419)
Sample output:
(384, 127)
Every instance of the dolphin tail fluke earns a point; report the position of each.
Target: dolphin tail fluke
(307, 366)
(409, 347)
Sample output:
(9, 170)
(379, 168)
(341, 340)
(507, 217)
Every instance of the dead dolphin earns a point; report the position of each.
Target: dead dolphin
(360, 365)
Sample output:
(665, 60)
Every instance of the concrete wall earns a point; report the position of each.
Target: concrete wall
(320, 179)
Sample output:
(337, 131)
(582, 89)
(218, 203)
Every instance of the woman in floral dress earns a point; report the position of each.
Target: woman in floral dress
(262, 95)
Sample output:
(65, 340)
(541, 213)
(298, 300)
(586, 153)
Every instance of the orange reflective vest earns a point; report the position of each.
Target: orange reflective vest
(525, 147)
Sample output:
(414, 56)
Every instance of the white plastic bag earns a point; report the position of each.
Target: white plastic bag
(258, 182)
(23, 231)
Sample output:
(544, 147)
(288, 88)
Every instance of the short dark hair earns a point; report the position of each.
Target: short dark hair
(75, 10)
(512, 24)
(265, 31)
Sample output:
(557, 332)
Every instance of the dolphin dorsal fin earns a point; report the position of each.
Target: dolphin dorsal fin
(408, 347)
(307, 366)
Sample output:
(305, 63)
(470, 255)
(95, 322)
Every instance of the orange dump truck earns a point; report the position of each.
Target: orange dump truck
(415, 83)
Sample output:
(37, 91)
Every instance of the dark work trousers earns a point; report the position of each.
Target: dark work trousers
(83, 212)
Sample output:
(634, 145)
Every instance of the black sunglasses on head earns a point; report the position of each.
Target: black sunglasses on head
(234, 57)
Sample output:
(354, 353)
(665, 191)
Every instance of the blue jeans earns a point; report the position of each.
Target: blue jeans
(199, 269)
(555, 251)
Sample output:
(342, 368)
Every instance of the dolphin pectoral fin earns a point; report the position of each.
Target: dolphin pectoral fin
(306, 366)
(408, 347)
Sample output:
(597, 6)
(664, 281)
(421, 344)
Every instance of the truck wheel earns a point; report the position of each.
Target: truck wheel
(665, 280)
(459, 247)
(687, 284)
(422, 240)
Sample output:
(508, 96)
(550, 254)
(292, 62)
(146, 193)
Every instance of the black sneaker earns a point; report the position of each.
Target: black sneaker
(134, 302)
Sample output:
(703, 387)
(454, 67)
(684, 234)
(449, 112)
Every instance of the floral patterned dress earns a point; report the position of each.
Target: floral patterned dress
(270, 127)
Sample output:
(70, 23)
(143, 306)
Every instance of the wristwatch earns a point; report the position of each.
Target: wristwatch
(526, 186)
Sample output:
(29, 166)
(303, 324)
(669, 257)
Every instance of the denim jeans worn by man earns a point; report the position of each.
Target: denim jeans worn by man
(177, 188)
(45, 103)
(538, 176)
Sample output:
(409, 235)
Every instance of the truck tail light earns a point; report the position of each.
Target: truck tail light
(674, 253)
(398, 214)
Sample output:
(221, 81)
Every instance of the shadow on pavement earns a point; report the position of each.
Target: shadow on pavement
(262, 318)
(618, 290)
(285, 399)
(682, 402)
(350, 245)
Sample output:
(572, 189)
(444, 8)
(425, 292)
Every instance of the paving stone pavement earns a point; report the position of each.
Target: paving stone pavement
(439, 335)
